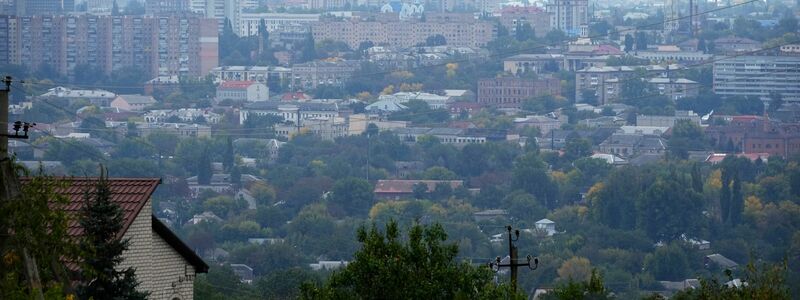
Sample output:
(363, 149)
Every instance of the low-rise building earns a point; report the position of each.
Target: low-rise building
(533, 63)
(241, 73)
(733, 44)
(187, 115)
(544, 123)
(510, 92)
(132, 102)
(248, 91)
(219, 183)
(456, 136)
(244, 272)
(606, 82)
(396, 189)
(311, 75)
(290, 111)
(164, 84)
(629, 145)
(754, 134)
(667, 121)
(100, 98)
(178, 129)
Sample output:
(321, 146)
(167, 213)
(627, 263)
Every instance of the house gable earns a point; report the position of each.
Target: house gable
(164, 265)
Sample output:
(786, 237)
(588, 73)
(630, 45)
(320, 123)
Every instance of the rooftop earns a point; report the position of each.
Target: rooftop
(236, 84)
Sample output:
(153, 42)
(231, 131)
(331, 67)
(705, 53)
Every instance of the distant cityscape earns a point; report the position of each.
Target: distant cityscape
(630, 133)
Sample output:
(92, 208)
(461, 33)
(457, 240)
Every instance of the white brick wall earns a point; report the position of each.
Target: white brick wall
(159, 268)
(172, 275)
(138, 255)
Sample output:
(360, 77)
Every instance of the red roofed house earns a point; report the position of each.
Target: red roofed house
(295, 96)
(397, 189)
(249, 91)
(165, 266)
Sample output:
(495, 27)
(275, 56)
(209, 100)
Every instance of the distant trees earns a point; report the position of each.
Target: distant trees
(529, 174)
(686, 136)
(524, 32)
(435, 40)
(764, 281)
(353, 195)
(641, 41)
(204, 170)
(668, 262)
(423, 267)
(629, 41)
(593, 288)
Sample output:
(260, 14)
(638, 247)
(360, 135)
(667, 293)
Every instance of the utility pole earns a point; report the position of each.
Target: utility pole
(4, 103)
(9, 183)
(532, 262)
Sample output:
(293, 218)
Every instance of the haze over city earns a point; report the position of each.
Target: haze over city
(400, 149)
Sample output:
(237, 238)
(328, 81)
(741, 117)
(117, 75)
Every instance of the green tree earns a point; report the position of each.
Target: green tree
(308, 50)
(593, 289)
(577, 148)
(761, 282)
(530, 175)
(101, 220)
(641, 41)
(628, 43)
(37, 229)
(435, 40)
(686, 136)
(420, 267)
(285, 284)
(204, 170)
(354, 195)
(669, 208)
(420, 190)
(668, 262)
(439, 173)
(228, 156)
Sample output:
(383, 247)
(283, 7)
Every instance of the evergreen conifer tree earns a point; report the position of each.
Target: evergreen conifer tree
(101, 249)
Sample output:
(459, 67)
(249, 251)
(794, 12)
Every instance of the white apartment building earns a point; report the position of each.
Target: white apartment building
(247, 23)
(758, 76)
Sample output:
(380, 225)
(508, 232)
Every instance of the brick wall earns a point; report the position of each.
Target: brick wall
(172, 276)
(159, 268)
(138, 254)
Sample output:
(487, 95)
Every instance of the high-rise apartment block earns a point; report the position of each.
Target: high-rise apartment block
(457, 29)
(36, 7)
(159, 45)
(569, 16)
(275, 23)
(758, 76)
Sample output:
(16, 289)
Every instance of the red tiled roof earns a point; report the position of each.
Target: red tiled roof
(716, 158)
(407, 186)
(294, 96)
(607, 49)
(235, 84)
(130, 194)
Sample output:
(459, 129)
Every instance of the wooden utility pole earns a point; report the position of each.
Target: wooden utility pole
(532, 262)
